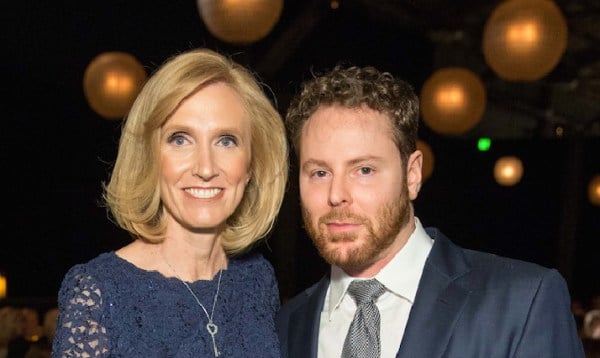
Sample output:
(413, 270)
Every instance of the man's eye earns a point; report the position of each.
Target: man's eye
(366, 170)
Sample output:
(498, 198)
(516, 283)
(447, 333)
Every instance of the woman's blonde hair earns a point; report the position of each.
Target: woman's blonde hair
(133, 193)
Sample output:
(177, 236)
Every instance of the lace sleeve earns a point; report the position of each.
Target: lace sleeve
(275, 300)
(80, 331)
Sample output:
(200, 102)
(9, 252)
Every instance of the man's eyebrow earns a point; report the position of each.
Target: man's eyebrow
(314, 162)
(355, 161)
(362, 159)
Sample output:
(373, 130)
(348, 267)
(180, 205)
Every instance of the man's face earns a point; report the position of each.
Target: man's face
(354, 190)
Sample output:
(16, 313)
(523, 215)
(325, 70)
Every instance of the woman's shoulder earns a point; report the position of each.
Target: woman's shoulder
(89, 281)
(251, 279)
(252, 261)
(251, 267)
(97, 265)
(105, 268)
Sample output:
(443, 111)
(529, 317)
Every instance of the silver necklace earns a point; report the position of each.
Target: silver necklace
(211, 327)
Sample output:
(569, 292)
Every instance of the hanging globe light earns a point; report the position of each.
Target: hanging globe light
(523, 40)
(428, 158)
(2, 286)
(594, 190)
(508, 170)
(240, 21)
(452, 100)
(111, 83)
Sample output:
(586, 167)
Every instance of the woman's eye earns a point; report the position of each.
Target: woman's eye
(177, 139)
(320, 173)
(227, 141)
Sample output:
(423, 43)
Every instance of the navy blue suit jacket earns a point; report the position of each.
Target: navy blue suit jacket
(468, 304)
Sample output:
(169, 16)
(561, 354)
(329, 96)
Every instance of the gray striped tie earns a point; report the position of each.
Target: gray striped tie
(362, 340)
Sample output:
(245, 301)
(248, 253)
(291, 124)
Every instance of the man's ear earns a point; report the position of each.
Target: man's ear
(414, 174)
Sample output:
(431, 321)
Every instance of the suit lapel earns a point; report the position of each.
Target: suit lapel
(306, 320)
(438, 302)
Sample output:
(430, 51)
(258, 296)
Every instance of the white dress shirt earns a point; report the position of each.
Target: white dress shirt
(400, 277)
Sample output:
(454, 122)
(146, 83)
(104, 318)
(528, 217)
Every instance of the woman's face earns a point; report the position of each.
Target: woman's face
(205, 157)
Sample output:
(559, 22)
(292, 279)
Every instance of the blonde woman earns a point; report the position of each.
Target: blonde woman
(199, 178)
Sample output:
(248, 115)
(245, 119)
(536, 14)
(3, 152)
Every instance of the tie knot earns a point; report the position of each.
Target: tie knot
(363, 291)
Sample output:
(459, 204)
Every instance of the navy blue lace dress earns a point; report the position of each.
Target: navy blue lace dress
(111, 308)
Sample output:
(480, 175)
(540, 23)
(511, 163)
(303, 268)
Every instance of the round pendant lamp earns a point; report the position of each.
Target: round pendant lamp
(111, 83)
(523, 40)
(240, 22)
(452, 100)
(594, 190)
(3, 286)
(508, 170)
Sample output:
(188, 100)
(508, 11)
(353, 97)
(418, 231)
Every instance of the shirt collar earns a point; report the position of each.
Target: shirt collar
(400, 276)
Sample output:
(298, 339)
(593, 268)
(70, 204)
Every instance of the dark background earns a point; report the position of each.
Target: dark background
(56, 151)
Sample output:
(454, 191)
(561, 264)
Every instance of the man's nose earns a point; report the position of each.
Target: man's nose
(339, 193)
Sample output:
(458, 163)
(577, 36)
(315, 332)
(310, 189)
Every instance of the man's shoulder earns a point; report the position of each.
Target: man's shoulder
(304, 296)
(479, 267)
(501, 269)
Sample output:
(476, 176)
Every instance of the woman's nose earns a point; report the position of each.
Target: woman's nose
(204, 166)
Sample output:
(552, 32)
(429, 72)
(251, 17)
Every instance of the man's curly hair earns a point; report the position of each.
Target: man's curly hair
(353, 87)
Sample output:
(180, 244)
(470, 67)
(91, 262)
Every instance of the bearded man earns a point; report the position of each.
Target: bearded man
(396, 289)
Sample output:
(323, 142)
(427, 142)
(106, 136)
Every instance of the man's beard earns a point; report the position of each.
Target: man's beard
(393, 216)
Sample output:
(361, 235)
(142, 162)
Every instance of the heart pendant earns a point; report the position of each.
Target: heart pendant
(212, 328)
